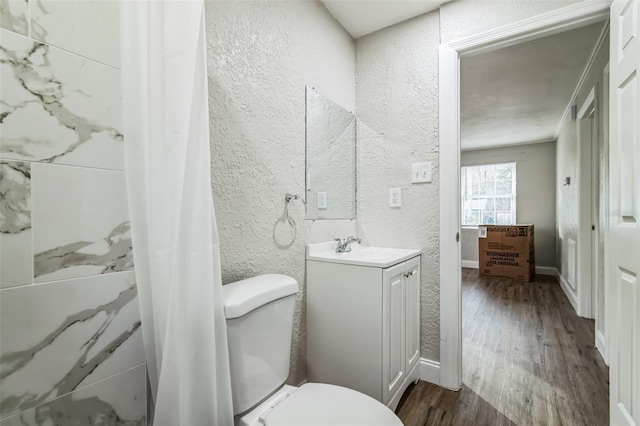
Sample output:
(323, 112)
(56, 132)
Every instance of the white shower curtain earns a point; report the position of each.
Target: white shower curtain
(175, 241)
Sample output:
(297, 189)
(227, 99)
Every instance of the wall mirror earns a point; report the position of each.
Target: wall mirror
(331, 159)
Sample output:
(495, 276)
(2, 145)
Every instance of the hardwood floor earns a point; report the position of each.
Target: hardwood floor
(528, 359)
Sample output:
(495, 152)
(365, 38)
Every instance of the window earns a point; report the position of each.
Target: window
(489, 194)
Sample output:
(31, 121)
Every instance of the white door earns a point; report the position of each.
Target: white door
(393, 330)
(412, 315)
(624, 213)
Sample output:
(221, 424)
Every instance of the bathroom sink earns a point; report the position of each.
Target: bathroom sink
(380, 257)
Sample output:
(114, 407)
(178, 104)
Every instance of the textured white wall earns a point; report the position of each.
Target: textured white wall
(261, 56)
(568, 163)
(536, 194)
(397, 110)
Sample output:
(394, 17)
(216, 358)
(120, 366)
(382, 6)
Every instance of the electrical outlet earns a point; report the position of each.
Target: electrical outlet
(322, 200)
(421, 172)
(395, 197)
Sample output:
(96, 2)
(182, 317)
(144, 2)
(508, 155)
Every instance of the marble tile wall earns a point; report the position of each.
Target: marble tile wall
(14, 15)
(70, 339)
(75, 102)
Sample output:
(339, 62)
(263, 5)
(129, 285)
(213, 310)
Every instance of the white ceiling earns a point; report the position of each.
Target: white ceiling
(362, 17)
(519, 94)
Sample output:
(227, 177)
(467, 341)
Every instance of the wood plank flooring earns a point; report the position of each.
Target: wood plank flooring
(528, 359)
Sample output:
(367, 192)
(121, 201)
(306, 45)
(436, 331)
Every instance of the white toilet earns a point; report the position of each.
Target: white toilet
(259, 314)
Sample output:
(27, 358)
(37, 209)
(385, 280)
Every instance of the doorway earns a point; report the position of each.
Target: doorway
(450, 276)
(515, 102)
(623, 210)
(593, 128)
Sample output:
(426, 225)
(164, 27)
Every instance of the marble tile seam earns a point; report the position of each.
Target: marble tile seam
(60, 48)
(7, 159)
(63, 280)
(79, 389)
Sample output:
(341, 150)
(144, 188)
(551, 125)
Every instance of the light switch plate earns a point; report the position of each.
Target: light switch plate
(421, 172)
(395, 197)
(322, 200)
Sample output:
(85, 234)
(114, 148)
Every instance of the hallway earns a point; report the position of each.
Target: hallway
(528, 359)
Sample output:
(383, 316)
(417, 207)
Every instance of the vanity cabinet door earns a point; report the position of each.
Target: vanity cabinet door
(393, 330)
(412, 290)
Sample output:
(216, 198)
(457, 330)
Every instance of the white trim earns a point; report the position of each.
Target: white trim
(553, 22)
(508, 145)
(602, 346)
(583, 77)
(430, 371)
(563, 19)
(540, 270)
(450, 271)
(471, 264)
(566, 288)
(584, 171)
(546, 270)
(586, 105)
(605, 134)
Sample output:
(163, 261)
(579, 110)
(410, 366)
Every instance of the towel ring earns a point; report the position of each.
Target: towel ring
(288, 198)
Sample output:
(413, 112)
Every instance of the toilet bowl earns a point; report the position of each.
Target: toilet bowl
(259, 313)
(317, 404)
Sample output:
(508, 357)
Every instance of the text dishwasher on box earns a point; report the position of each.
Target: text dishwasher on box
(507, 251)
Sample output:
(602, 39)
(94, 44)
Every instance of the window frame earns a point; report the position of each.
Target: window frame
(463, 192)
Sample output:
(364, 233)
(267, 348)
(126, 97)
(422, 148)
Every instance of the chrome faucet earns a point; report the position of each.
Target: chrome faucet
(344, 245)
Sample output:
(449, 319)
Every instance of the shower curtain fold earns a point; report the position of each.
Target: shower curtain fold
(175, 240)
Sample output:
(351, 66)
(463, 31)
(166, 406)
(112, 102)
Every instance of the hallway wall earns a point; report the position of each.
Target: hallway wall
(567, 201)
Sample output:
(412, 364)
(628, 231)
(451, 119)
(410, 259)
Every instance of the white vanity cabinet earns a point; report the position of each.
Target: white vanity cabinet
(363, 324)
(400, 326)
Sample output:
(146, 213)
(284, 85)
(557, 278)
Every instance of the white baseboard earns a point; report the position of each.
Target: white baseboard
(430, 371)
(546, 270)
(568, 291)
(540, 270)
(472, 264)
(602, 346)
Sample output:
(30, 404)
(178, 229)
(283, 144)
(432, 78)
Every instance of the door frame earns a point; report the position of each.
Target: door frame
(557, 21)
(585, 284)
(602, 336)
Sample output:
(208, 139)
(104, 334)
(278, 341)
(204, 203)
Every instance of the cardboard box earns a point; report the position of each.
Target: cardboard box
(506, 251)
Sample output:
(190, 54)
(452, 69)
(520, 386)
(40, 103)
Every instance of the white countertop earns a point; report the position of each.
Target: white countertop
(378, 257)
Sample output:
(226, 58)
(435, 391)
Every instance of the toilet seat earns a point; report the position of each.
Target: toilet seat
(315, 404)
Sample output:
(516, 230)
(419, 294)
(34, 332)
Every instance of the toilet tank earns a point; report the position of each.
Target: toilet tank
(259, 313)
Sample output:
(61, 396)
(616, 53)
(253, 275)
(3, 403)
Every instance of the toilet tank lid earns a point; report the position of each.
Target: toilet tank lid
(242, 297)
